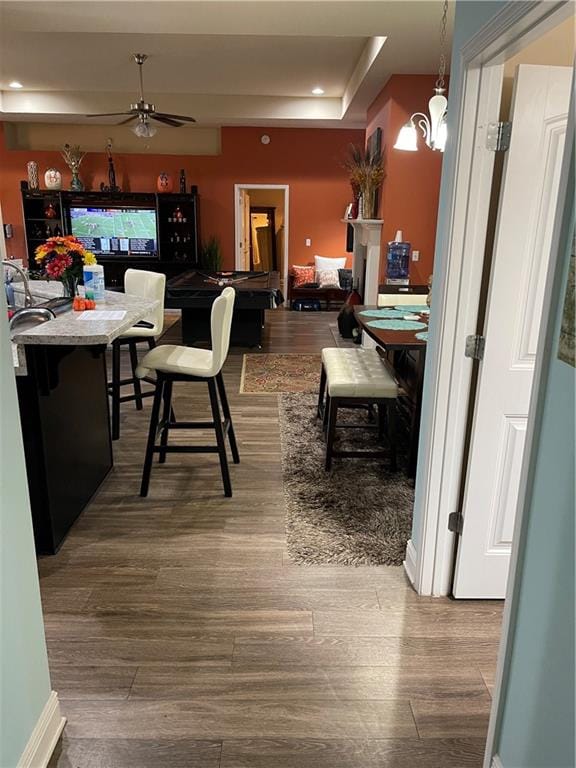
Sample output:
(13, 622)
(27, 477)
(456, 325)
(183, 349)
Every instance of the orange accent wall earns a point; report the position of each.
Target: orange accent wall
(308, 160)
(409, 199)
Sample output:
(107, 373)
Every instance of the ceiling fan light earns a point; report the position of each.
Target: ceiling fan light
(144, 130)
(407, 138)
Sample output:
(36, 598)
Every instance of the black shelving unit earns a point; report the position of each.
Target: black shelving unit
(47, 213)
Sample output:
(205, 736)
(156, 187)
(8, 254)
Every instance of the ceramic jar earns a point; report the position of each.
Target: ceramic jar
(164, 182)
(53, 179)
(32, 168)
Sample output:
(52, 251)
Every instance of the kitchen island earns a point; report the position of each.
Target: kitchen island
(62, 385)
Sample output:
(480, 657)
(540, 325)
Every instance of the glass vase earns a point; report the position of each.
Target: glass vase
(76, 185)
(70, 286)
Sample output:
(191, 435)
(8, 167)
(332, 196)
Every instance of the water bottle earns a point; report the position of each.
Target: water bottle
(398, 261)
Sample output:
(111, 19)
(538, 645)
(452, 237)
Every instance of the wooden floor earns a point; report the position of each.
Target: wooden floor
(180, 634)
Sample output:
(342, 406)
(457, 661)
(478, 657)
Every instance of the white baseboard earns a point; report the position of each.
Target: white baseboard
(410, 562)
(45, 735)
(496, 762)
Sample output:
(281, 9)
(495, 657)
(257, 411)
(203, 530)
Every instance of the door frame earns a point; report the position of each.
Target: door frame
(238, 228)
(456, 291)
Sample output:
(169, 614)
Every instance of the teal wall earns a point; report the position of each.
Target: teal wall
(24, 678)
(470, 16)
(536, 719)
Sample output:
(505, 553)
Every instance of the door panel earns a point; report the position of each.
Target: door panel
(514, 308)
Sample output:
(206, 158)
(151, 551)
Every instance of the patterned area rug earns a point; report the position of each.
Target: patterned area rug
(360, 513)
(276, 373)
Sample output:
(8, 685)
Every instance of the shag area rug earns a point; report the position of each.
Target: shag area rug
(277, 373)
(359, 513)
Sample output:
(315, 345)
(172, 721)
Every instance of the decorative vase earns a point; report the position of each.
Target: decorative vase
(164, 182)
(53, 179)
(368, 200)
(360, 208)
(76, 184)
(70, 286)
(32, 168)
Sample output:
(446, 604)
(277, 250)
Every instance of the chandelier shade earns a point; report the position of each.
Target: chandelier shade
(407, 138)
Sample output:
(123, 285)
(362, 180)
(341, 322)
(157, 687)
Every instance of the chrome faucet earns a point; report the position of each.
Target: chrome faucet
(28, 300)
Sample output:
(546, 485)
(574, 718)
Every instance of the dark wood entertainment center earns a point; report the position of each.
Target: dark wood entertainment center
(47, 213)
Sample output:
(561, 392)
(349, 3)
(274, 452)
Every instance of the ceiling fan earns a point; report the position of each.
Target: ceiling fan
(143, 112)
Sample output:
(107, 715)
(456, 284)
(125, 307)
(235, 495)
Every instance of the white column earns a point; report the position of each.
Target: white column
(366, 256)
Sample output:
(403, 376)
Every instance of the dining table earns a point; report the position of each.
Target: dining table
(402, 333)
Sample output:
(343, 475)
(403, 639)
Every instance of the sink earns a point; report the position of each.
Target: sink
(26, 318)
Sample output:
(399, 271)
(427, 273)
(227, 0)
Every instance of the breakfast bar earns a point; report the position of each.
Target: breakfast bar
(62, 388)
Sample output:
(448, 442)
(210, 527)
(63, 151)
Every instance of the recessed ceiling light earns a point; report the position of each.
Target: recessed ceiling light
(318, 91)
(16, 84)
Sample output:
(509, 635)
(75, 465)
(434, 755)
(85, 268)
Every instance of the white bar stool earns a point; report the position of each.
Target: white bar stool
(148, 285)
(172, 363)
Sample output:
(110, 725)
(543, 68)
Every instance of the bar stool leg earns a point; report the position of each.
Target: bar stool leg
(219, 437)
(226, 412)
(152, 435)
(321, 392)
(332, 418)
(135, 381)
(166, 418)
(115, 390)
(391, 413)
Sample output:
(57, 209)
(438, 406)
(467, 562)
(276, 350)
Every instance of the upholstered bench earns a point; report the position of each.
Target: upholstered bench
(352, 378)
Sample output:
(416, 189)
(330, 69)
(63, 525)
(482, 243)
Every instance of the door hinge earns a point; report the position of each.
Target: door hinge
(498, 136)
(475, 347)
(456, 522)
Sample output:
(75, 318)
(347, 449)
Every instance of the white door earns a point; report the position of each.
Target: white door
(520, 262)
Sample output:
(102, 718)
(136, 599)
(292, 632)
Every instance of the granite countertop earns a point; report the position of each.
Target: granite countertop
(69, 328)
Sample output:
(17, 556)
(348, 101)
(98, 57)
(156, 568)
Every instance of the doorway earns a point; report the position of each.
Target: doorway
(477, 300)
(263, 239)
(261, 219)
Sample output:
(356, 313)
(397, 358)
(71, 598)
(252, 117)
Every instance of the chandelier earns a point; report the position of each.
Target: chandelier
(434, 127)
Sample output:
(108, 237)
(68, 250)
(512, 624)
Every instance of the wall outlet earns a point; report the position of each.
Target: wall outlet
(308, 242)
(415, 255)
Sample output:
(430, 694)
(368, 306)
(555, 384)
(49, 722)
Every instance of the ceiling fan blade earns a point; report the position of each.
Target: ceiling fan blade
(177, 117)
(166, 120)
(128, 120)
(109, 114)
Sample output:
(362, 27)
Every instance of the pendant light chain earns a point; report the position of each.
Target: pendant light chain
(442, 64)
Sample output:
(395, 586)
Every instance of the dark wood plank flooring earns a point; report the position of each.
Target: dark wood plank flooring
(180, 634)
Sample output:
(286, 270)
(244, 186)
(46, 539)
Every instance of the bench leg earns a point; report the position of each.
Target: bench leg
(332, 419)
(321, 392)
(391, 413)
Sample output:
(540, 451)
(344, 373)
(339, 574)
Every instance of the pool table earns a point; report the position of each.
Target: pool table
(193, 293)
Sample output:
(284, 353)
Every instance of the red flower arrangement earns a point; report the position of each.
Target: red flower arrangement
(63, 258)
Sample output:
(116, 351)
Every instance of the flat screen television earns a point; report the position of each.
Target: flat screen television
(116, 231)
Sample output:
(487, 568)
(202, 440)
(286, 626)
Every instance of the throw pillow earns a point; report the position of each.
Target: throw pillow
(302, 275)
(325, 262)
(345, 279)
(327, 278)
